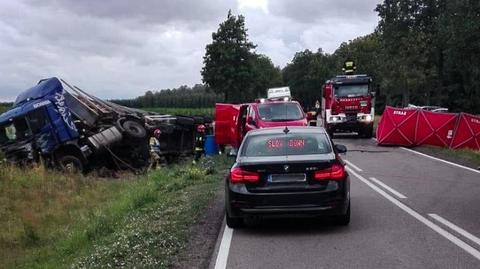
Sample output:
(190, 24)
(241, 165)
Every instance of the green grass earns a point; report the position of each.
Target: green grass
(466, 155)
(50, 220)
(182, 111)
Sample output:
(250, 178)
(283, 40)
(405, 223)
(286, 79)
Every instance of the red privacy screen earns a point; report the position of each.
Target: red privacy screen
(413, 127)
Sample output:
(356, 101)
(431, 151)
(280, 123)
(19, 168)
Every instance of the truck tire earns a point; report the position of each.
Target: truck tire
(134, 129)
(70, 164)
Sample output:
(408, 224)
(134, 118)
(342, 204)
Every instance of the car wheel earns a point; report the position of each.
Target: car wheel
(233, 222)
(343, 220)
(70, 164)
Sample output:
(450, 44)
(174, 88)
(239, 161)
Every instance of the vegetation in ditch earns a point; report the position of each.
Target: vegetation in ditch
(50, 220)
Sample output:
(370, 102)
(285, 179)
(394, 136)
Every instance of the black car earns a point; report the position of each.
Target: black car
(288, 171)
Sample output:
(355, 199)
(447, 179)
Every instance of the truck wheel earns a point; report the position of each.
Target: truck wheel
(70, 164)
(134, 129)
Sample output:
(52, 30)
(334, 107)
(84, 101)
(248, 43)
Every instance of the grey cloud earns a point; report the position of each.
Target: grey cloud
(323, 10)
(152, 11)
(120, 49)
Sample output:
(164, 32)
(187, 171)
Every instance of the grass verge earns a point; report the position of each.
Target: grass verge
(466, 157)
(53, 221)
(182, 111)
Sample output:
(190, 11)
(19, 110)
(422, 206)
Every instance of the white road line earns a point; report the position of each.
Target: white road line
(440, 160)
(354, 166)
(388, 188)
(457, 229)
(224, 249)
(452, 238)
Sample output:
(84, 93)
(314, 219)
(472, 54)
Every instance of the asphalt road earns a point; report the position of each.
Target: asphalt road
(402, 218)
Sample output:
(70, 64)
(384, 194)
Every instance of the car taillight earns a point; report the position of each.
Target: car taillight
(336, 172)
(238, 175)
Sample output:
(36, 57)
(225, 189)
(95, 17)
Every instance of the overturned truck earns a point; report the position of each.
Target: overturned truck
(63, 126)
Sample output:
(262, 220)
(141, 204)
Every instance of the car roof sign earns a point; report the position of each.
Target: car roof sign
(278, 92)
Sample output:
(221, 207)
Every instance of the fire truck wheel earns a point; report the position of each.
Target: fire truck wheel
(134, 129)
(70, 164)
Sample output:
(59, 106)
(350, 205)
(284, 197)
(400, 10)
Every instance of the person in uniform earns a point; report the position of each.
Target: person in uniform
(155, 149)
(199, 142)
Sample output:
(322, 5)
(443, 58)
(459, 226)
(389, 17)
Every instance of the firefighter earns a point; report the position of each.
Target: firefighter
(199, 142)
(155, 149)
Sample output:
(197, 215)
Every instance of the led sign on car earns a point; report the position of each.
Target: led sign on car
(292, 143)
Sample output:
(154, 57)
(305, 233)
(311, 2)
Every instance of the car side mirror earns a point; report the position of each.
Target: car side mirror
(341, 148)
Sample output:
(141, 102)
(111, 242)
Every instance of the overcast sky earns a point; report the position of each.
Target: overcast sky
(121, 48)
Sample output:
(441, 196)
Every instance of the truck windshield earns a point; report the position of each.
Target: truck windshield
(351, 90)
(280, 112)
(14, 131)
(290, 144)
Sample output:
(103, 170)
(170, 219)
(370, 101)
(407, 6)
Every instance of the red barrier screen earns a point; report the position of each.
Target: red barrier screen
(467, 132)
(435, 128)
(397, 127)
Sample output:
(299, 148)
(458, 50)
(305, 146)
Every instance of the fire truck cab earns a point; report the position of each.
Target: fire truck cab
(348, 105)
(233, 121)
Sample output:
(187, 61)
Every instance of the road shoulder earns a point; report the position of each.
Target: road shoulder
(203, 236)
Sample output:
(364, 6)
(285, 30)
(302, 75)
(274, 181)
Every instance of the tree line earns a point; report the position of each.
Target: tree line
(425, 52)
(198, 96)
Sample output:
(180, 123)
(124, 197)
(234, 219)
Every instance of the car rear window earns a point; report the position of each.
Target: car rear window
(286, 144)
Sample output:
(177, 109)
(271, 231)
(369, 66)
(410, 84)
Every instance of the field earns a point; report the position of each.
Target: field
(182, 111)
(50, 220)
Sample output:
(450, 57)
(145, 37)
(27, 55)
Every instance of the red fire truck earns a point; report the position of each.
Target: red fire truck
(348, 105)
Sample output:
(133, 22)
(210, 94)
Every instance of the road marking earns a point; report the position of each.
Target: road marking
(224, 249)
(441, 160)
(457, 229)
(354, 166)
(388, 188)
(452, 238)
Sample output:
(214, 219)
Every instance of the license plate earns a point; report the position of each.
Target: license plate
(283, 178)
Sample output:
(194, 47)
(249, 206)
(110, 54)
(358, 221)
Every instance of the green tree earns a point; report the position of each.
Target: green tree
(306, 75)
(265, 75)
(227, 61)
(459, 65)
